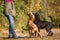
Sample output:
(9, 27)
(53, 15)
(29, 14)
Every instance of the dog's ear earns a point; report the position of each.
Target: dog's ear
(28, 13)
(37, 15)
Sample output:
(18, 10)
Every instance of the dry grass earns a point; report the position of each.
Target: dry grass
(56, 36)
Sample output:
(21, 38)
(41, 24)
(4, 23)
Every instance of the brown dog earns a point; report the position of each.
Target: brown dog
(32, 27)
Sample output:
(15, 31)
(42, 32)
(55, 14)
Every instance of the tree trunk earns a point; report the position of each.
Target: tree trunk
(44, 5)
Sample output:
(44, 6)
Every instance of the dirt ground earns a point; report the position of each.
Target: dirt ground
(25, 35)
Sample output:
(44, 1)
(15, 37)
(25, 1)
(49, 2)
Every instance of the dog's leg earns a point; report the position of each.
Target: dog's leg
(50, 33)
(33, 32)
(39, 33)
(48, 29)
(30, 33)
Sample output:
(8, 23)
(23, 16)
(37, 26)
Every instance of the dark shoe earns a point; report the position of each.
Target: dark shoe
(14, 36)
(10, 36)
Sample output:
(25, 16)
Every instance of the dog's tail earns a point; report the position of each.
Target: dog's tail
(51, 18)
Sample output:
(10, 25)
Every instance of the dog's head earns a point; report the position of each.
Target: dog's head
(37, 16)
(29, 14)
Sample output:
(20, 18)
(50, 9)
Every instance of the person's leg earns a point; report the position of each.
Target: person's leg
(11, 26)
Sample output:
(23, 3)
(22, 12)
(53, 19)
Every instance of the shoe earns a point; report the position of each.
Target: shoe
(10, 36)
(14, 36)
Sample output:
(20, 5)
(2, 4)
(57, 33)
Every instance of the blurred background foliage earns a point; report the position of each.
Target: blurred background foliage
(44, 7)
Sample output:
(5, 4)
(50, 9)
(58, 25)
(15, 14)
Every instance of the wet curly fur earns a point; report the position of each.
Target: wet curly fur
(33, 29)
(43, 24)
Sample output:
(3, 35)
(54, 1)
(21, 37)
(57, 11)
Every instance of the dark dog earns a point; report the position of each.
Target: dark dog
(33, 29)
(43, 24)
